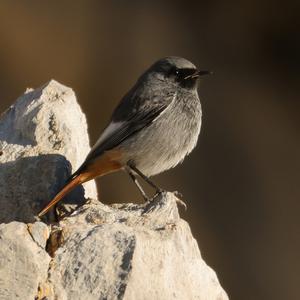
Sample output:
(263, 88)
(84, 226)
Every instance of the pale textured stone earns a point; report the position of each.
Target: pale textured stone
(39, 232)
(131, 252)
(23, 263)
(41, 136)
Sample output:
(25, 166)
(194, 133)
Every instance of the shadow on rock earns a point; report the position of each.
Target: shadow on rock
(29, 183)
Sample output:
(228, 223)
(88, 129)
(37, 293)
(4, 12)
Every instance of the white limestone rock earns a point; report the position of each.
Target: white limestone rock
(41, 136)
(39, 232)
(23, 263)
(131, 252)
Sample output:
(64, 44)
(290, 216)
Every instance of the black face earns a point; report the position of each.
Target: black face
(175, 70)
(185, 77)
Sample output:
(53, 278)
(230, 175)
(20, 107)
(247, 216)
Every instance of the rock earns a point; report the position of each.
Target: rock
(131, 252)
(39, 232)
(123, 251)
(23, 263)
(41, 136)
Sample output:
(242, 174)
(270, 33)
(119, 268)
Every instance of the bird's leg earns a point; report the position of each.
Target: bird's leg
(144, 177)
(134, 179)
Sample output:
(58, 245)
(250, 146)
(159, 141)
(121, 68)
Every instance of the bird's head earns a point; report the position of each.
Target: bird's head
(175, 71)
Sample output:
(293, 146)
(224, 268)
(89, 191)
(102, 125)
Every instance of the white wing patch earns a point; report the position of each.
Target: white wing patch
(115, 126)
(108, 131)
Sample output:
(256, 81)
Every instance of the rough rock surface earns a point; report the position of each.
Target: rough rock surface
(41, 136)
(131, 252)
(23, 262)
(123, 251)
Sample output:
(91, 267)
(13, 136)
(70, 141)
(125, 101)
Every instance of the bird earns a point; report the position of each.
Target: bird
(152, 129)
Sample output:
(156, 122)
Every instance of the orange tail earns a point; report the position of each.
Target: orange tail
(106, 163)
(69, 186)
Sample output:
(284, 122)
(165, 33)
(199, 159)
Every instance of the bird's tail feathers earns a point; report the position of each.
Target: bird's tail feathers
(67, 188)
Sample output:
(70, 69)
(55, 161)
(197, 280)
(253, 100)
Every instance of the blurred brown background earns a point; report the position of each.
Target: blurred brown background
(241, 184)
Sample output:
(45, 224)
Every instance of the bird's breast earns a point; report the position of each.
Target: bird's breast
(171, 137)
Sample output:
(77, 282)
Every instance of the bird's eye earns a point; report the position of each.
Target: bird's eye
(178, 73)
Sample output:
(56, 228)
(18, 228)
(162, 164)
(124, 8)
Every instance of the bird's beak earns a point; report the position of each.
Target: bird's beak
(199, 74)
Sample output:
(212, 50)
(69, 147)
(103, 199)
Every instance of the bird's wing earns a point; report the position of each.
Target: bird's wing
(116, 132)
(130, 116)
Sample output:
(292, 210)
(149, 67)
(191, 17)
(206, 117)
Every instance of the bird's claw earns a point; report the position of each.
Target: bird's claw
(181, 203)
(178, 195)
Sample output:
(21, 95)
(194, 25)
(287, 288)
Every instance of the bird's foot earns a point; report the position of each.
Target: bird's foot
(146, 198)
(178, 194)
(158, 192)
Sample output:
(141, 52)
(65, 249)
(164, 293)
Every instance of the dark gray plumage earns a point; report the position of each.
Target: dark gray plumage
(153, 128)
(158, 121)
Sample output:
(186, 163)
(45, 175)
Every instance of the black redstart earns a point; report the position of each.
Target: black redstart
(153, 128)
